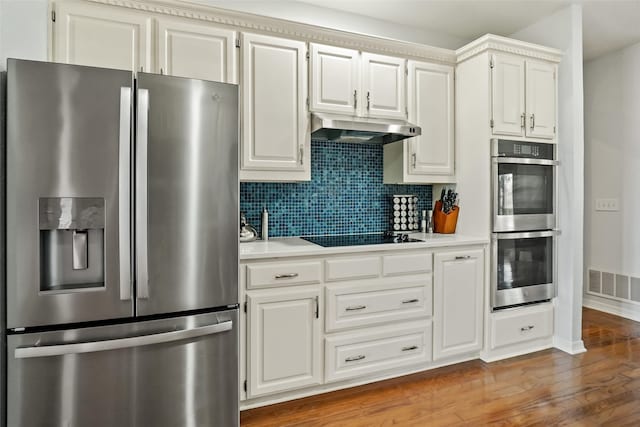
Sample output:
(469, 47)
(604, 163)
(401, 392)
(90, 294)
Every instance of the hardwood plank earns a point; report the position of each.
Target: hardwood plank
(597, 388)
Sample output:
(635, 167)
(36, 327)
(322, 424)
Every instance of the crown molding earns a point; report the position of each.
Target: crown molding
(506, 45)
(279, 27)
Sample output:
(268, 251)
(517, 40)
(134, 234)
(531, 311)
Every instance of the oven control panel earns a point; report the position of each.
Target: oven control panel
(520, 149)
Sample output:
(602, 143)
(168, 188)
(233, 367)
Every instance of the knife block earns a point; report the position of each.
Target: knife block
(445, 223)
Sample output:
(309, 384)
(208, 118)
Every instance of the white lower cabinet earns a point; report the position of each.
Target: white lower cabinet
(284, 340)
(354, 354)
(317, 323)
(356, 304)
(458, 290)
(520, 325)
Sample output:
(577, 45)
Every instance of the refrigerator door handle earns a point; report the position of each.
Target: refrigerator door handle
(120, 343)
(142, 272)
(124, 190)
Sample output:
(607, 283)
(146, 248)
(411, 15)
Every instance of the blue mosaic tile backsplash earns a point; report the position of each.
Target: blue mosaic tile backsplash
(345, 195)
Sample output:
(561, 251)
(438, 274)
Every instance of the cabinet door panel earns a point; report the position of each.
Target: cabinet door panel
(383, 86)
(507, 92)
(334, 79)
(102, 36)
(196, 51)
(284, 341)
(275, 124)
(541, 99)
(430, 101)
(457, 306)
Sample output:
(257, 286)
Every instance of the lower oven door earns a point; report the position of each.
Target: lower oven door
(523, 268)
(179, 371)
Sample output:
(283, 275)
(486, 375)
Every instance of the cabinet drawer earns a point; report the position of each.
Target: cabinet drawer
(283, 274)
(520, 325)
(370, 351)
(393, 265)
(353, 268)
(356, 305)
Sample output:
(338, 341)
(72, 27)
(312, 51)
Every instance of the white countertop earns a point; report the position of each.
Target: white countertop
(281, 247)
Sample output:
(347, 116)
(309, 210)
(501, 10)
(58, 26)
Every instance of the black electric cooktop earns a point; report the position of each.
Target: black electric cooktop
(359, 239)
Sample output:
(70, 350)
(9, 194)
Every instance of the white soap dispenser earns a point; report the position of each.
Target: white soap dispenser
(265, 224)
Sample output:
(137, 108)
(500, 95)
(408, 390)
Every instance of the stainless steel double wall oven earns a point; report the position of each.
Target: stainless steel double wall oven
(524, 199)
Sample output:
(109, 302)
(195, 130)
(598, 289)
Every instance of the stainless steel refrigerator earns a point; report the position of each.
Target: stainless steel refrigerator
(122, 248)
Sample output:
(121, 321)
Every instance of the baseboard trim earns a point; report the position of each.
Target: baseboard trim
(614, 307)
(569, 347)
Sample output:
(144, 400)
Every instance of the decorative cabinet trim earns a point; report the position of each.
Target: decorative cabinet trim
(506, 45)
(282, 28)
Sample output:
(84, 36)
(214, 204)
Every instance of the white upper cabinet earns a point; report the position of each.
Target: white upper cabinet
(198, 51)
(523, 97)
(541, 99)
(383, 86)
(335, 79)
(430, 104)
(428, 158)
(507, 91)
(343, 81)
(275, 123)
(102, 36)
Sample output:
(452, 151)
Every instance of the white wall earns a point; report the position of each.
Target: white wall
(563, 30)
(23, 30)
(612, 169)
(339, 20)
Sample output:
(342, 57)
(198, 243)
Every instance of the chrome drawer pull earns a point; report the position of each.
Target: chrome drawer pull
(355, 307)
(354, 358)
(412, 347)
(526, 328)
(459, 257)
(286, 276)
(410, 301)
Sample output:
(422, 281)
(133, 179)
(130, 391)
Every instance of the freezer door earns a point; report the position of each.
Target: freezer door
(68, 194)
(169, 372)
(186, 194)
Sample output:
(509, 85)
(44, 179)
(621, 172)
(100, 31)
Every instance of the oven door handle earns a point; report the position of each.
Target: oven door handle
(525, 235)
(525, 161)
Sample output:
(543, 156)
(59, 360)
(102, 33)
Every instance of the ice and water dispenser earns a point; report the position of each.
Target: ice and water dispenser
(71, 243)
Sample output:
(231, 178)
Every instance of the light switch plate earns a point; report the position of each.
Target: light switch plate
(610, 205)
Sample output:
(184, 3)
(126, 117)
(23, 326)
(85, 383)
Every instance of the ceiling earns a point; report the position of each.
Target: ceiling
(608, 25)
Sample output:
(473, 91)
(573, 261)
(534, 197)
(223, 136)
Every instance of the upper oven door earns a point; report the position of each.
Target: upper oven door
(523, 194)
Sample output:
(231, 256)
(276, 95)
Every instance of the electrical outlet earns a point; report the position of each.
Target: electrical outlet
(610, 205)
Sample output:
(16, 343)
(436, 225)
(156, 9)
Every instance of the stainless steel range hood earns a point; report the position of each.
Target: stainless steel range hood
(359, 130)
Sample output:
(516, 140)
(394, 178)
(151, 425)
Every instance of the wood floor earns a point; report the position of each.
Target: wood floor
(598, 388)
